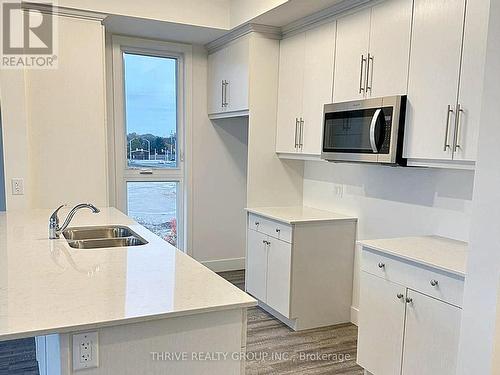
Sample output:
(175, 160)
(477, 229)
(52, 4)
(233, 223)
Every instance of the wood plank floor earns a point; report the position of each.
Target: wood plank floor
(273, 348)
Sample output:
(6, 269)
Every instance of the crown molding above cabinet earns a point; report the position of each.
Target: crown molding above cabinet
(270, 32)
(65, 11)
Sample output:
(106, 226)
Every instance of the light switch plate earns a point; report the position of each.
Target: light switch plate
(85, 350)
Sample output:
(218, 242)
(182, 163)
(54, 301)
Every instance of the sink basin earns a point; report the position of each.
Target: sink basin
(92, 233)
(102, 237)
(107, 242)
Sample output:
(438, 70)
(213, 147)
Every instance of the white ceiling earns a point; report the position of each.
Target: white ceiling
(293, 10)
(153, 29)
(282, 15)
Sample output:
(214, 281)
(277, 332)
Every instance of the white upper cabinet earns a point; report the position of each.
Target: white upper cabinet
(237, 76)
(471, 82)
(372, 52)
(351, 53)
(433, 79)
(318, 82)
(445, 82)
(305, 86)
(389, 54)
(291, 78)
(215, 80)
(228, 74)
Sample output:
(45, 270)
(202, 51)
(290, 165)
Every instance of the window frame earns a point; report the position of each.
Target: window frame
(119, 170)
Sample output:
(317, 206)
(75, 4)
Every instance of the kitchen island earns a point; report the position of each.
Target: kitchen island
(155, 308)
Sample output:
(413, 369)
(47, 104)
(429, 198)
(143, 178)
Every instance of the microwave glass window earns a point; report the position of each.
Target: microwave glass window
(349, 132)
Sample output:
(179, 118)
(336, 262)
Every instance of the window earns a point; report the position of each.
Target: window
(149, 134)
(150, 111)
(154, 205)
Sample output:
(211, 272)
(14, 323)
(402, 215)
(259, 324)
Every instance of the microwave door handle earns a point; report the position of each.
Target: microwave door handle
(372, 130)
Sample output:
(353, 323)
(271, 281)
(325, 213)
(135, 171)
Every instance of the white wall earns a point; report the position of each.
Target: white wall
(67, 120)
(213, 13)
(15, 135)
(483, 268)
(2, 177)
(392, 202)
(219, 167)
(54, 124)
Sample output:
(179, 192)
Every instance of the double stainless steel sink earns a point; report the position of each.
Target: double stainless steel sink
(102, 237)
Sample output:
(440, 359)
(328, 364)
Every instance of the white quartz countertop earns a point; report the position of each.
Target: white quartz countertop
(432, 251)
(298, 214)
(48, 287)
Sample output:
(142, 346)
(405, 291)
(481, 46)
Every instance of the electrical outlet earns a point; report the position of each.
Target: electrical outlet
(85, 350)
(17, 186)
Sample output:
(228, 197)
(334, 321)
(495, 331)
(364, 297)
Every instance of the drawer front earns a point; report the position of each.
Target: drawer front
(443, 286)
(275, 229)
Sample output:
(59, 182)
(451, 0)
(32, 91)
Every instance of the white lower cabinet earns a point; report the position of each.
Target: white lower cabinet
(268, 275)
(431, 336)
(301, 272)
(279, 259)
(403, 330)
(256, 275)
(380, 340)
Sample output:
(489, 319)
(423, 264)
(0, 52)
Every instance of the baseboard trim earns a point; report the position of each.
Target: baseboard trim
(221, 265)
(354, 315)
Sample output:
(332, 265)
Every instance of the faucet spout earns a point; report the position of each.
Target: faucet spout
(55, 230)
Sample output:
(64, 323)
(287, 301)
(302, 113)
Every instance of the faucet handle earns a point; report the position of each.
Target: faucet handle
(54, 219)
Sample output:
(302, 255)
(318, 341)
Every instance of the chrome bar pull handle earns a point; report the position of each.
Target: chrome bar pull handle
(301, 130)
(363, 60)
(225, 102)
(458, 128)
(368, 84)
(446, 144)
(222, 93)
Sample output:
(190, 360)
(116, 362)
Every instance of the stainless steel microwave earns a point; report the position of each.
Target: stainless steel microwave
(369, 131)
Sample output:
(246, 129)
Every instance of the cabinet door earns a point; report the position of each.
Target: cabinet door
(390, 34)
(237, 75)
(318, 82)
(353, 34)
(216, 68)
(291, 78)
(471, 85)
(278, 276)
(431, 336)
(433, 78)
(381, 325)
(256, 267)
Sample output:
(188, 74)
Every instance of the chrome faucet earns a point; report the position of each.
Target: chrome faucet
(55, 230)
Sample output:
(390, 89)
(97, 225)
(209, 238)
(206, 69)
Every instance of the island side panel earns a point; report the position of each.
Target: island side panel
(129, 349)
